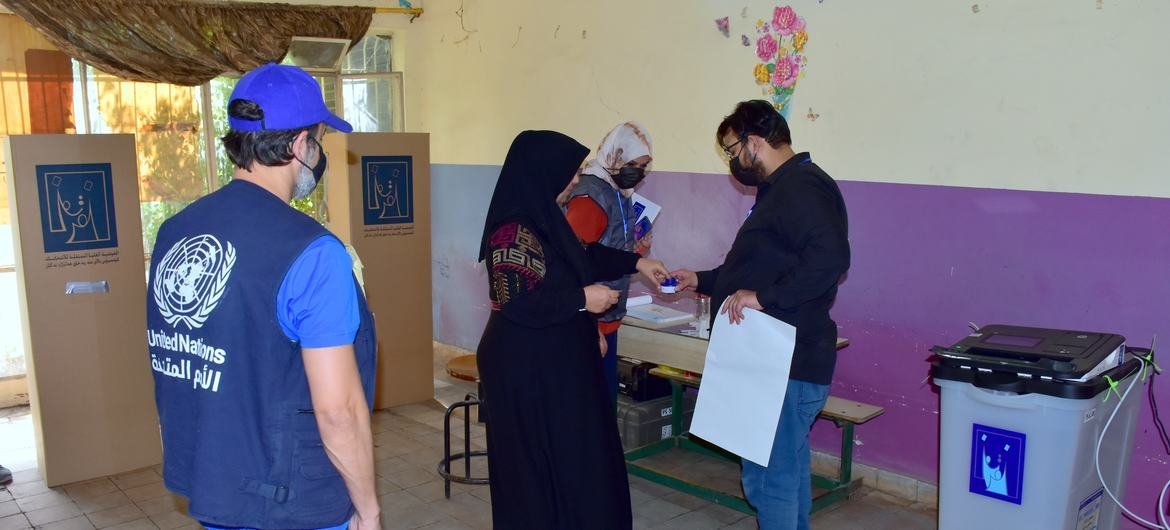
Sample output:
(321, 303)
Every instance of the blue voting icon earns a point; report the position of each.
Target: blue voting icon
(638, 209)
(77, 207)
(388, 190)
(997, 463)
(641, 228)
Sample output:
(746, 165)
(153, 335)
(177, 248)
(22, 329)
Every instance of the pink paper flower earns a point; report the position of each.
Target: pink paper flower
(785, 21)
(766, 48)
(787, 70)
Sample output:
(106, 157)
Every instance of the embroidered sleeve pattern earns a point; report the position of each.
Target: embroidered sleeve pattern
(517, 263)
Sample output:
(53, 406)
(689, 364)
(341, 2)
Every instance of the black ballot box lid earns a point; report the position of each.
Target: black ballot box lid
(1062, 363)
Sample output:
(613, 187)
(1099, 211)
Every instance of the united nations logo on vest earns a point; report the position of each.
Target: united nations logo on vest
(191, 278)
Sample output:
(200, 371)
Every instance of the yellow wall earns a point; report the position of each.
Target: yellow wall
(1044, 95)
(1052, 95)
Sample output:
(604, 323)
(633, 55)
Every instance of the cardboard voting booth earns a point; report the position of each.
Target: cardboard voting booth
(82, 287)
(379, 201)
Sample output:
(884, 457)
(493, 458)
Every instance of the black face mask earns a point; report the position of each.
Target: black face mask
(628, 176)
(748, 176)
(318, 168)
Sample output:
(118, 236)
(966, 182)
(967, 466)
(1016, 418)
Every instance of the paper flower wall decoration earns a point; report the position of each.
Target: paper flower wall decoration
(724, 25)
(780, 48)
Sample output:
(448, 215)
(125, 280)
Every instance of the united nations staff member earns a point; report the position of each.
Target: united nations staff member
(260, 340)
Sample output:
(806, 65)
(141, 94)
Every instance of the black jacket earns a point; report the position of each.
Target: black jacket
(792, 250)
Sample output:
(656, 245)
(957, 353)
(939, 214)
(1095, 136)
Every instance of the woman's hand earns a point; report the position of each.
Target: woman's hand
(642, 247)
(601, 342)
(598, 298)
(653, 270)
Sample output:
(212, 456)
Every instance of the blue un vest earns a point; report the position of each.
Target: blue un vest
(240, 440)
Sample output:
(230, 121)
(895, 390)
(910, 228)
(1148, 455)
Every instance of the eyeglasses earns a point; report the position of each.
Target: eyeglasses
(727, 149)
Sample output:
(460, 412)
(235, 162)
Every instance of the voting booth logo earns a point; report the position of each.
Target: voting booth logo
(77, 207)
(388, 190)
(997, 463)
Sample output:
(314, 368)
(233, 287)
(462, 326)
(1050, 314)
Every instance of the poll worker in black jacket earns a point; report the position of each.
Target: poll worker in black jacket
(786, 261)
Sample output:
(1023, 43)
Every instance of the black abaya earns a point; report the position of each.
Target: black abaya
(554, 457)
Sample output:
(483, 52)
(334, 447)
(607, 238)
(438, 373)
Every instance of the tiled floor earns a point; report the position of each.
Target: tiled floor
(408, 440)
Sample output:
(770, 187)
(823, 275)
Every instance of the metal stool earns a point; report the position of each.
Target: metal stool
(462, 367)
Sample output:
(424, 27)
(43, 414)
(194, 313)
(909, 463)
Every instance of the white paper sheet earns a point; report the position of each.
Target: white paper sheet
(658, 314)
(635, 301)
(745, 377)
(645, 213)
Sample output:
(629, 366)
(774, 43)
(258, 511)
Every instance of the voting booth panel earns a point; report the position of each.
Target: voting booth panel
(379, 201)
(78, 238)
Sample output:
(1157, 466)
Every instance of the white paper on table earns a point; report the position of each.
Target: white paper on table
(635, 301)
(745, 378)
(657, 314)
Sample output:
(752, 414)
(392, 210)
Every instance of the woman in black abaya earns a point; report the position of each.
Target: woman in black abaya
(554, 456)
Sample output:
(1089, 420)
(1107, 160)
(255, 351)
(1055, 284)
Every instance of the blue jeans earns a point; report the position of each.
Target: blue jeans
(782, 491)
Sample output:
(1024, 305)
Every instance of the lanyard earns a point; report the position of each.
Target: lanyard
(625, 224)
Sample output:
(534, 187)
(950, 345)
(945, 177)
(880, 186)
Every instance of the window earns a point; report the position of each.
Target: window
(16, 117)
(371, 90)
(369, 56)
(220, 90)
(373, 103)
(166, 121)
(177, 131)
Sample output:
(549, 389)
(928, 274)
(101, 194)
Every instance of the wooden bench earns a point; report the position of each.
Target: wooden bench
(844, 413)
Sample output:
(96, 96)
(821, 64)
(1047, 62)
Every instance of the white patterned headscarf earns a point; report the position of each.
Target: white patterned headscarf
(625, 142)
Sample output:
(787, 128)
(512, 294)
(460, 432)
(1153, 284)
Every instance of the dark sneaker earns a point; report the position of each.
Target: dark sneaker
(5, 475)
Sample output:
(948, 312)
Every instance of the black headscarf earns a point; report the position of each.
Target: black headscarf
(538, 167)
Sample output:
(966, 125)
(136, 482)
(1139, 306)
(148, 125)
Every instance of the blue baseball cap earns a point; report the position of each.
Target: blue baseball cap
(289, 97)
